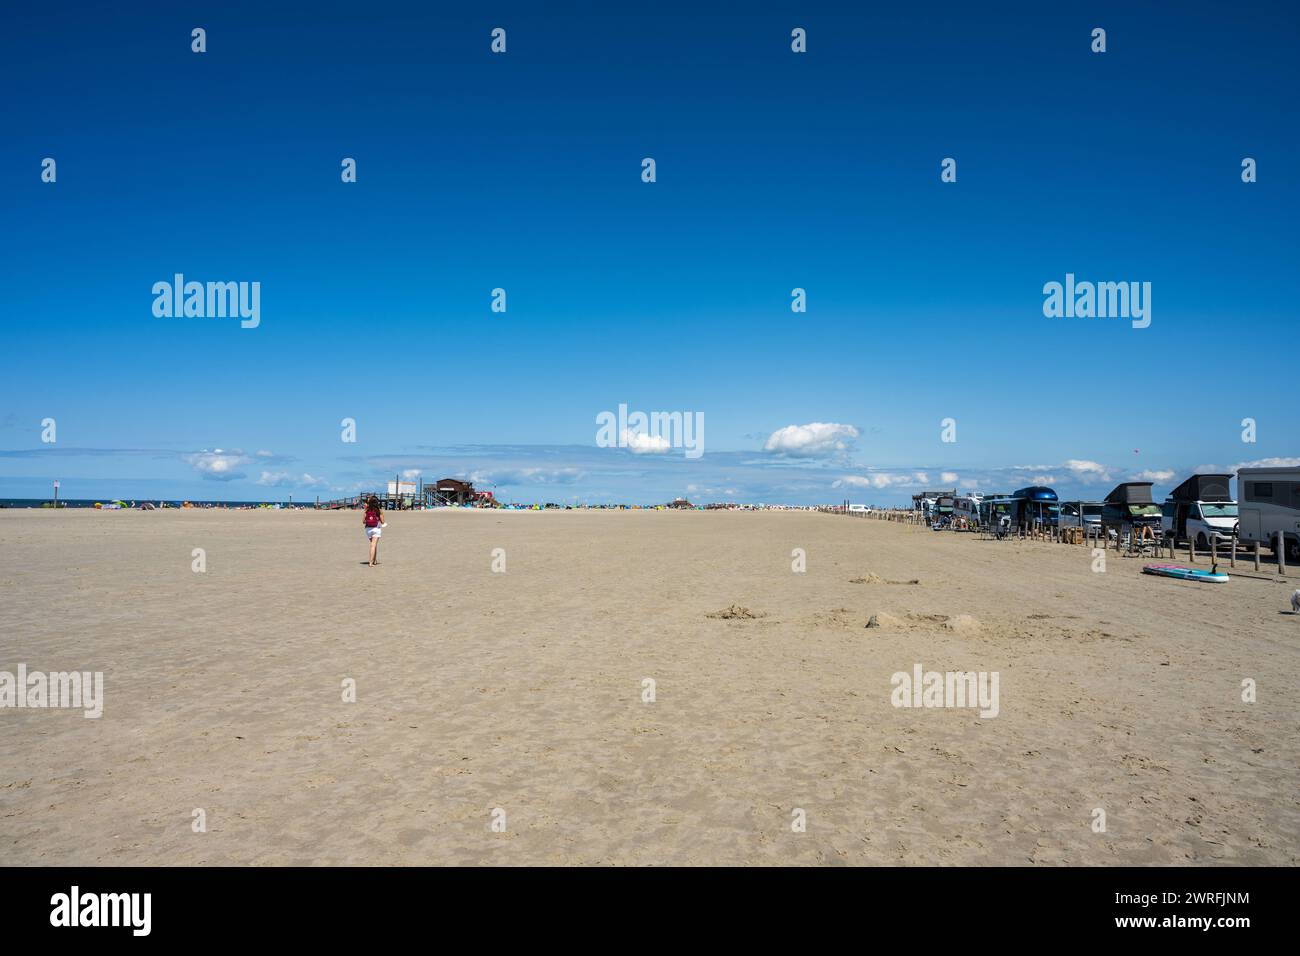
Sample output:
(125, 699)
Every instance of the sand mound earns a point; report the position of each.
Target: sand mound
(737, 613)
(962, 624)
(872, 578)
(922, 619)
(911, 621)
(887, 621)
(836, 617)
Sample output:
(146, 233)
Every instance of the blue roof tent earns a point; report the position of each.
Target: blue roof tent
(1035, 493)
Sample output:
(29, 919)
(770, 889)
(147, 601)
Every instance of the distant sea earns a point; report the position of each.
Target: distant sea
(90, 503)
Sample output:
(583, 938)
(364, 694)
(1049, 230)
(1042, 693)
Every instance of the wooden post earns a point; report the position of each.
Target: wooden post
(1214, 551)
(1256, 550)
(1232, 561)
(1281, 554)
(1191, 549)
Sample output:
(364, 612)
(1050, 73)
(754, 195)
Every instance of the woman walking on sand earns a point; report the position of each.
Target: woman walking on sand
(374, 525)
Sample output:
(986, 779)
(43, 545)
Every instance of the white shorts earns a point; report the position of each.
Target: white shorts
(372, 533)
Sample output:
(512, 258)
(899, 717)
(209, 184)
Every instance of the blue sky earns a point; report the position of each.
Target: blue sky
(522, 171)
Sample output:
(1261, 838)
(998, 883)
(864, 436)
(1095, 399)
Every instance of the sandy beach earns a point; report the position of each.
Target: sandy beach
(523, 691)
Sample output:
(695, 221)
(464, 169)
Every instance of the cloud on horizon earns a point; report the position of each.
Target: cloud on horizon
(574, 473)
(814, 440)
(282, 479)
(218, 465)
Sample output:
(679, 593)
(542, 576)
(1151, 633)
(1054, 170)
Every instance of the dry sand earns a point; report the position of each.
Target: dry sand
(523, 691)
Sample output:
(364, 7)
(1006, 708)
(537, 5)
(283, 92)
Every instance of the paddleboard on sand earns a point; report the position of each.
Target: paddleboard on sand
(1186, 574)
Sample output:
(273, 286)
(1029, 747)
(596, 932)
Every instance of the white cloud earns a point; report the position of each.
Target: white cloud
(217, 465)
(949, 477)
(882, 479)
(412, 473)
(811, 440)
(1080, 469)
(639, 443)
(1087, 470)
(282, 479)
(1260, 463)
(1158, 476)
(527, 476)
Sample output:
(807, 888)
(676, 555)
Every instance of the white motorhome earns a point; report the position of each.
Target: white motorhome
(1270, 505)
(1201, 509)
(968, 507)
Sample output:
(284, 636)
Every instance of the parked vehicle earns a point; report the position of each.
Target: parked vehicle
(932, 504)
(992, 508)
(1201, 509)
(1035, 505)
(1129, 507)
(1080, 514)
(1270, 504)
(1025, 508)
(968, 507)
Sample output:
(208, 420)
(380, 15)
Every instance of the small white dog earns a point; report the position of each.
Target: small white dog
(1295, 601)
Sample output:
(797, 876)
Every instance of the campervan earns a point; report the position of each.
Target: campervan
(1080, 514)
(1035, 505)
(1270, 505)
(992, 509)
(1129, 507)
(968, 507)
(934, 505)
(1201, 509)
(941, 512)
